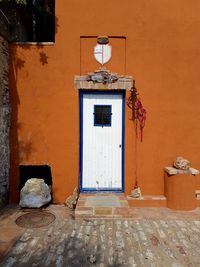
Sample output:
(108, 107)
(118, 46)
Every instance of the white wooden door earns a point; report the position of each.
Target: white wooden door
(102, 141)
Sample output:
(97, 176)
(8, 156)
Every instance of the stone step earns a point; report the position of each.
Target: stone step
(103, 212)
(103, 205)
(110, 205)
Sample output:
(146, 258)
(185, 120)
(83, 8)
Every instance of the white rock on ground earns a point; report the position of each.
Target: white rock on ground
(34, 194)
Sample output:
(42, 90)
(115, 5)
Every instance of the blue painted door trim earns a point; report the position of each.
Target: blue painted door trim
(81, 93)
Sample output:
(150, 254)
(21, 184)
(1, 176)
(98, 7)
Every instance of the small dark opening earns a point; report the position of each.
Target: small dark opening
(34, 171)
(102, 115)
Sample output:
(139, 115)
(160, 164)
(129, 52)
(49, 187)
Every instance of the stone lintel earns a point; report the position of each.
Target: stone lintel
(123, 83)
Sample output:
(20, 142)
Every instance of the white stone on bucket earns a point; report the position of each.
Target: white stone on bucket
(34, 194)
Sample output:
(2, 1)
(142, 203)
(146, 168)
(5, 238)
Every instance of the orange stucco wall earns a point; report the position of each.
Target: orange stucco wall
(161, 51)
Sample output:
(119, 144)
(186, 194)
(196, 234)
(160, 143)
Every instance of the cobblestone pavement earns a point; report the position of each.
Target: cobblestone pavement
(140, 241)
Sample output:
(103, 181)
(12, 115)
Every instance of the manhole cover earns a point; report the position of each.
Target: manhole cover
(35, 219)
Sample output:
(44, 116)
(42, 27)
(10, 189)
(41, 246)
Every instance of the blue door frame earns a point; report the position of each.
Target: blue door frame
(81, 93)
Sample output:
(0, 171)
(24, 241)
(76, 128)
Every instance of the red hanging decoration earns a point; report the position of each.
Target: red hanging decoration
(139, 116)
(138, 111)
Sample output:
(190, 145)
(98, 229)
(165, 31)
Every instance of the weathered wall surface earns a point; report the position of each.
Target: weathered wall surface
(162, 53)
(4, 122)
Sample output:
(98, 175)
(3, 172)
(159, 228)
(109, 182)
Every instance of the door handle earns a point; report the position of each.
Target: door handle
(120, 145)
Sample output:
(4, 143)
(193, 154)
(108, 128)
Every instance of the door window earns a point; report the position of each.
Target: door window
(102, 115)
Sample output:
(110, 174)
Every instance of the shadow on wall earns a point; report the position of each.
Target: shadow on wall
(25, 150)
(20, 150)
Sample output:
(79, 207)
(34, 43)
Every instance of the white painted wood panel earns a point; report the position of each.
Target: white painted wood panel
(102, 146)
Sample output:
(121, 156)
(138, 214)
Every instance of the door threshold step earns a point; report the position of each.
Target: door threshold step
(103, 212)
(107, 205)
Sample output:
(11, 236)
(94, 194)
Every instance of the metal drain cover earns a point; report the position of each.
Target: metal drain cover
(35, 219)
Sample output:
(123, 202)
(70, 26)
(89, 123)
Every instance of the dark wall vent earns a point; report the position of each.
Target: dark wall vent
(34, 171)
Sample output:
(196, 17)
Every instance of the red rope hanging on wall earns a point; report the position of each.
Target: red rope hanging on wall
(138, 111)
(139, 117)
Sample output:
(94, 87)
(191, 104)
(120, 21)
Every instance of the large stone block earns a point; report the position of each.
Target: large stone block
(35, 194)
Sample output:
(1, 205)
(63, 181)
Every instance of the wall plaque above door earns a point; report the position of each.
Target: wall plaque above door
(102, 53)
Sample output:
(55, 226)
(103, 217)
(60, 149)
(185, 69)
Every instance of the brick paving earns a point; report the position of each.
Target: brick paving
(152, 237)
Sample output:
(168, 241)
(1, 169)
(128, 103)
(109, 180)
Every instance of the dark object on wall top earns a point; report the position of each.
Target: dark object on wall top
(102, 40)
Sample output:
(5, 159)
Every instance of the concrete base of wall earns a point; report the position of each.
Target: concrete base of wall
(148, 201)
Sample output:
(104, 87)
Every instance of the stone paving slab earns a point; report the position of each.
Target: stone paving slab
(102, 201)
(153, 237)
